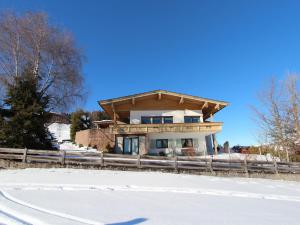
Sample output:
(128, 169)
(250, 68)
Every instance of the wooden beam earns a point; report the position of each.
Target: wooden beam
(205, 105)
(133, 101)
(112, 107)
(159, 96)
(181, 100)
(115, 115)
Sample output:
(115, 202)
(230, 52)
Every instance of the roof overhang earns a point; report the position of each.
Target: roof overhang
(160, 100)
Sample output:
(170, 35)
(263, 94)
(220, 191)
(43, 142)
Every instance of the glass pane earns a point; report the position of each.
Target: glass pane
(146, 120)
(158, 144)
(196, 119)
(188, 119)
(135, 146)
(192, 119)
(187, 143)
(168, 119)
(156, 120)
(127, 145)
(162, 143)
(165, 143)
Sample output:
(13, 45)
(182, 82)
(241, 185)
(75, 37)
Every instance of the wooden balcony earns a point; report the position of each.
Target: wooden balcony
(159, 128)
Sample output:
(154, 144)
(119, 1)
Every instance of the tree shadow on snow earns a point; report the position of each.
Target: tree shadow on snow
(130, 222)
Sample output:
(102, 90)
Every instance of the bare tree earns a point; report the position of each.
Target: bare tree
(278, 115)
(30, 40)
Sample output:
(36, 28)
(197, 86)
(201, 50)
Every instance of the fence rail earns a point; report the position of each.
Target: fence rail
(144, 161)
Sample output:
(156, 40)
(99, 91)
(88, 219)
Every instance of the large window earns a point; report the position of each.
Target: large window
(187, 142)
(162, 143)
(146, 120)
(168, 119)
(192, 119)
(156, 119)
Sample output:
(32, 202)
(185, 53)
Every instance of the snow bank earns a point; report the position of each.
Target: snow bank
(69, 146)
(60, 131)
(239, 156)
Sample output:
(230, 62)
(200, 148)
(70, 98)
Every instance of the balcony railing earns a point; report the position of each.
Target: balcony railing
(159, 128)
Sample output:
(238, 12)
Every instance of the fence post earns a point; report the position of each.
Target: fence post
(63, 157)
(25, 155)
(176, 164)
(246, 166)
(275, 166)
(138, 162)
(101, 159)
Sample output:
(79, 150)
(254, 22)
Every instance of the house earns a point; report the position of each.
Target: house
(159, 123)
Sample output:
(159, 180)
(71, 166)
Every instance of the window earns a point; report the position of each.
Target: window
(146, 120)
(192, 119)
(168, 119)
(187, 142)
(131, 145)
(156, 119)
(162, 143)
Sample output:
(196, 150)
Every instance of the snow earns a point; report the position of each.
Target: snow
(60, 131)
(69, 146)
(240, 156)
(75, 196)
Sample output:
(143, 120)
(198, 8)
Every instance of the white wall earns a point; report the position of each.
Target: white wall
(178, 115)
(174, 142)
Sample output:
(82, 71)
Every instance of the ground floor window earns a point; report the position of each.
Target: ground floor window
(187, 142)
(162, 143)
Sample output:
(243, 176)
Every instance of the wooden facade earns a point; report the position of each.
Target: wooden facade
(119, 108)
(159, 128)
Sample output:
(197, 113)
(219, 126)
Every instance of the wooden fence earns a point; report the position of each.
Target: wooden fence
(153, 162)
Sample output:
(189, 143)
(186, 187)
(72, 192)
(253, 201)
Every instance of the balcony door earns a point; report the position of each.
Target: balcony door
(131, 145)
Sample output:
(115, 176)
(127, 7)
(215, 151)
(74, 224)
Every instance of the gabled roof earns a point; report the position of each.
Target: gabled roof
(160, 99)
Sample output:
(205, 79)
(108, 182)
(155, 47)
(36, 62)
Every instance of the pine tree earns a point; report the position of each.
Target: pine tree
(25, 126)
(2, 128)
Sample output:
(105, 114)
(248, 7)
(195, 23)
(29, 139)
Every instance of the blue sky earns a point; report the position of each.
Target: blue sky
(224, 50)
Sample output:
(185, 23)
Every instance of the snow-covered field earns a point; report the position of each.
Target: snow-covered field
(70, 196)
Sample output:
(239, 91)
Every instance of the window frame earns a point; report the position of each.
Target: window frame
(146, 117)
(162, 119)
(157, 117)
(184, 139)
(162, 141)
(192, 119)
(170, 117)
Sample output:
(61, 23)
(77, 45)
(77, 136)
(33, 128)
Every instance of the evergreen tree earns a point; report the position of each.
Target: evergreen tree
(26, 106)
(80, 120)
(2, 128)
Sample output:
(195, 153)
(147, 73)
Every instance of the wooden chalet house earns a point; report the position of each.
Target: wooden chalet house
(163, 123)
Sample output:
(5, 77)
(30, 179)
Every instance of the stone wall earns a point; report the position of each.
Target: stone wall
(97, 138)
